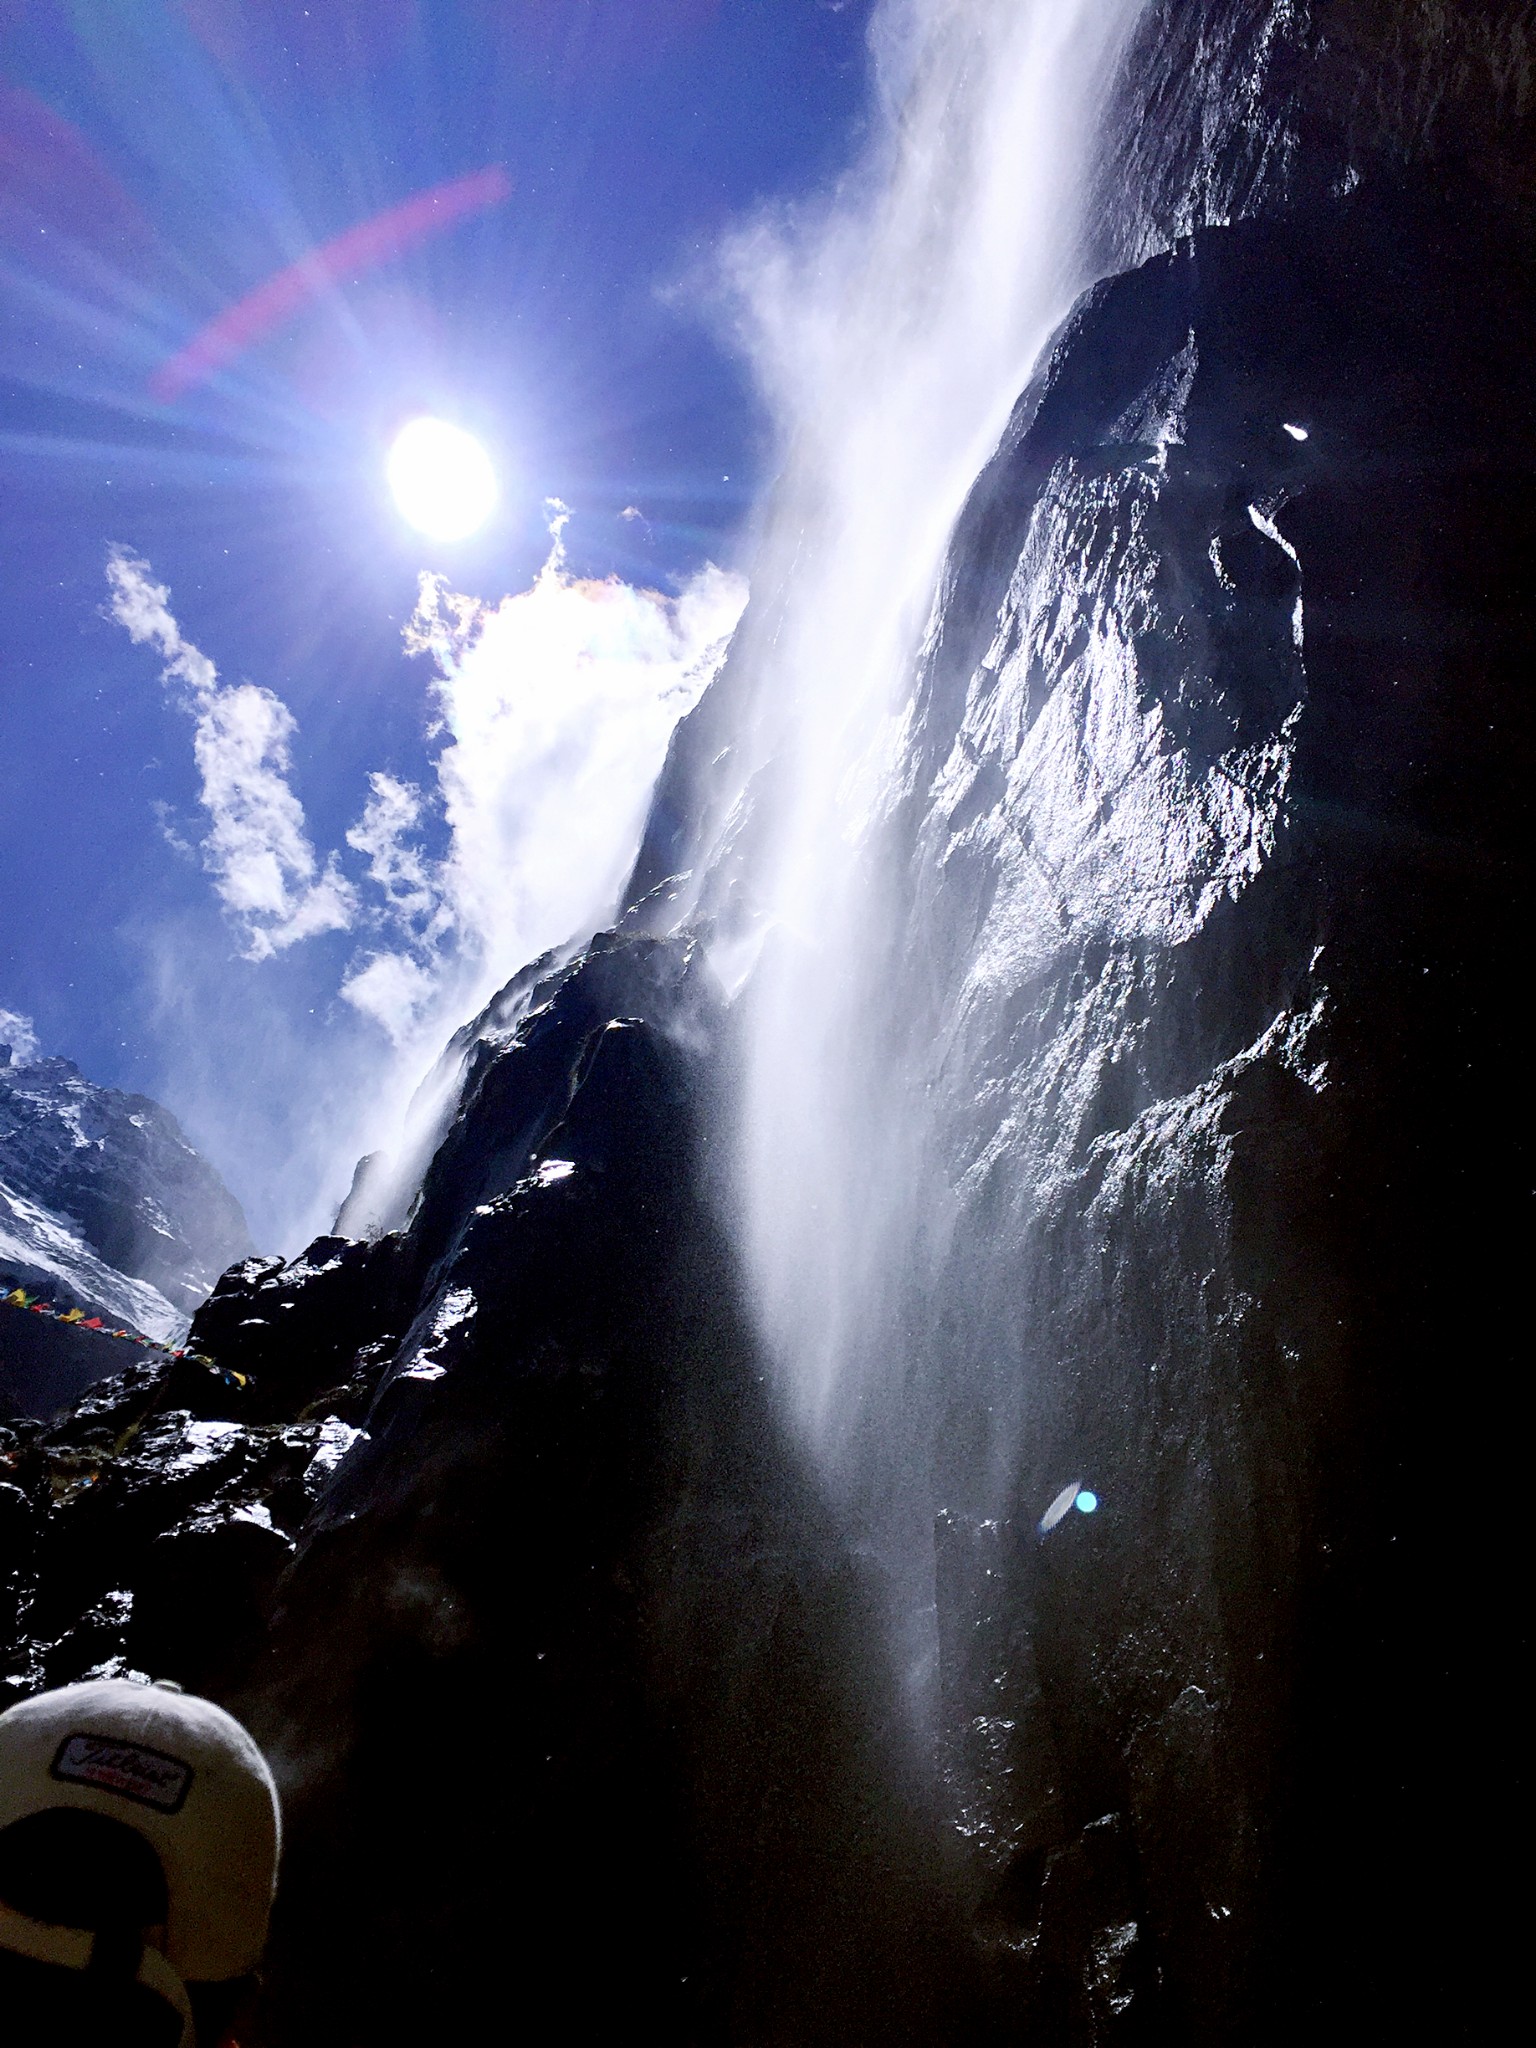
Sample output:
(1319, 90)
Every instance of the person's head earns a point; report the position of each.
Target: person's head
(139, 1836)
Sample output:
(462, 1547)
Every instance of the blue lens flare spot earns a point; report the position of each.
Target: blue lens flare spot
(1086, 1502)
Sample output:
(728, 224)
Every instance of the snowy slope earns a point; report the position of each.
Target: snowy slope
(39, 1248)
(100, 1193)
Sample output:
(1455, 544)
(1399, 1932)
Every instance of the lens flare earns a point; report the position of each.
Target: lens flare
(1086, 1502)
(324, 269)
(1063, 1502)
(442, 479)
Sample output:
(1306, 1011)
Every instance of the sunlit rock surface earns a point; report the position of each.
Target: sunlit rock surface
(1209, 863)
(1216, 827)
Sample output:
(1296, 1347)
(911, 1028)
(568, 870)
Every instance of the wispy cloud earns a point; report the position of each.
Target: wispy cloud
(399, 869)
(257, 849)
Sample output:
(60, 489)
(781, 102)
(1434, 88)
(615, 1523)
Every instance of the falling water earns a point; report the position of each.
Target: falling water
(892, 334)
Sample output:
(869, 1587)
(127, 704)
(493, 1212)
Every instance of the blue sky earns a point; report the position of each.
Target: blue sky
(158, 160)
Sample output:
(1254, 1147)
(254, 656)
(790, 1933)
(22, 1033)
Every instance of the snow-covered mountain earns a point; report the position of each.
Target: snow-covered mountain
(103, 1200)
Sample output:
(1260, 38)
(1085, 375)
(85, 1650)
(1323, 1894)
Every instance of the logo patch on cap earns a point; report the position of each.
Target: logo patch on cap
(145, 1775)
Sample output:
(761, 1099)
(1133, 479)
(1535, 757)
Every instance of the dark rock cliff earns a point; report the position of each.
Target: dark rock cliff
(1208, 886)
(1224, 748)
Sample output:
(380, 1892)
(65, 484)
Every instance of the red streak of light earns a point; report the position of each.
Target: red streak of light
(281, 296)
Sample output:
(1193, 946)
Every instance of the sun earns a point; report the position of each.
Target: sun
(442, 479)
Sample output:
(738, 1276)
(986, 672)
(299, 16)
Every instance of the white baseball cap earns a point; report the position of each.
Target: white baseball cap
(183, 1774)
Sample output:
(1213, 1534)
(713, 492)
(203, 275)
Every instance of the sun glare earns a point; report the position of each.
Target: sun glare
(442, 479)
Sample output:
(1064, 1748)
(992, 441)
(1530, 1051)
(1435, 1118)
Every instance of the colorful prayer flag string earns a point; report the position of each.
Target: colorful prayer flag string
(19, 1298)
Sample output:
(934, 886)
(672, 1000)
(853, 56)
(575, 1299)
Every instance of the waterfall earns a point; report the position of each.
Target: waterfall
(891, 331)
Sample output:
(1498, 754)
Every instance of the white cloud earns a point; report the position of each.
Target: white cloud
(16, 1031)
(394, 989)
(559, 703)
(144, 608)
(257, 849)
(401, 871)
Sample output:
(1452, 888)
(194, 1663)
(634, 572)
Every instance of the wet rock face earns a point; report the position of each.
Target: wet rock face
(1229, 109)
(1220, 818)
(581, 1694)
